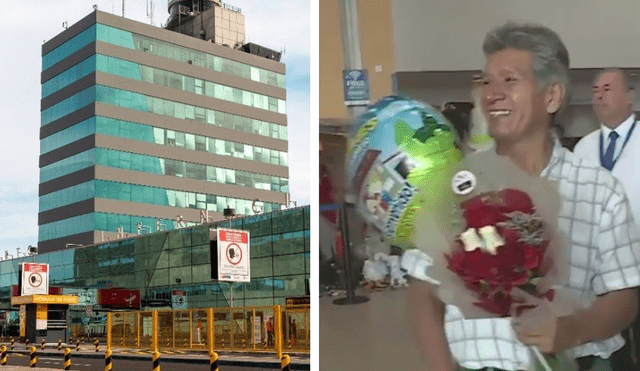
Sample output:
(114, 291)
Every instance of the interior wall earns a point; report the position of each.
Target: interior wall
(448, 35)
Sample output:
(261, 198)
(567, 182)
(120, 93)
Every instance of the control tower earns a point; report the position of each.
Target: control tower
(210, 20)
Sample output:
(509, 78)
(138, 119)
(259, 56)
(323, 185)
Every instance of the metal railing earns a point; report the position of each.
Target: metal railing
(251, 329)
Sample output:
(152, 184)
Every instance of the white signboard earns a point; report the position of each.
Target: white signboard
(233, 255)
(35, 279)
(256, 328)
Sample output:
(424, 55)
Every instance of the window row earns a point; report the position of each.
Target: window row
(167, 50)
(182, 169)
(161, 48)
(149, 195)
(141, 102)
(69, 47)
(179, 168)
(169, 197)
(157, 76)
(72, 74)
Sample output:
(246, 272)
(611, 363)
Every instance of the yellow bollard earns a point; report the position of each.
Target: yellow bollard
(3, 357)
(244, 343)
(34, 357)
(27, 343)
(107, 360)
(97, 344)
(77, 345)
(67, 359)
(285, 361)
(42, 344)
(59, 344)
(213, 362)
(156, 361)
(12, 343)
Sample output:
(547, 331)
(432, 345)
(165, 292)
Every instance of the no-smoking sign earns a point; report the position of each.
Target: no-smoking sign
(35, 279)
(233, 255)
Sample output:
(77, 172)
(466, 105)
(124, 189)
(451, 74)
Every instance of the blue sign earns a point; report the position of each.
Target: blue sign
(356, 87)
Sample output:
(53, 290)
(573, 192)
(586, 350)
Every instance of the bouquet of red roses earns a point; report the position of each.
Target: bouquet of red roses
(495, 244)
(502, 247)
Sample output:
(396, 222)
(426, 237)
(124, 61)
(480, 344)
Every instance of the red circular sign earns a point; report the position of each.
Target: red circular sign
(234, 254)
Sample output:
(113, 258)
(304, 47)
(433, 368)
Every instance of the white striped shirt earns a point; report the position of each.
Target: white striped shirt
(604, 256)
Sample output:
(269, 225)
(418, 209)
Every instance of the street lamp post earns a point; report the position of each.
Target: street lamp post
(229, 213)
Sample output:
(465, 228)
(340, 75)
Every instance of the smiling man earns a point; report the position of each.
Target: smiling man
(525, 86)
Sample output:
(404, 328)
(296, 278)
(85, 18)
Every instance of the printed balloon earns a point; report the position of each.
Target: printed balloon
(398, 164)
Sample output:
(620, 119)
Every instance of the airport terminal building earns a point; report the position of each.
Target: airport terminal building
(171, 270)
(145, 129)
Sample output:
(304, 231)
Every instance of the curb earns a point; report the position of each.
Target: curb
(173, 359)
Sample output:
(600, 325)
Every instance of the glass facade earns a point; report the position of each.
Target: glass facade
(279, 253)
(141, 102)
(160, 48)
(167, 50)
(135, 71)
(186, 114)
(156, 165)
(148, 195)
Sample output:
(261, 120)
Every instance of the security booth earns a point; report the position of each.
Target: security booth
(41, 314)
(44, 316)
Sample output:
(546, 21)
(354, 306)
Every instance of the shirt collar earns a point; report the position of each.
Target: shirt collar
(622, 129)
(556, 156)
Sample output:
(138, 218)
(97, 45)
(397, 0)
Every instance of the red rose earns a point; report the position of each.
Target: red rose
(515, 200)
(499, 304)
(481, 215)
(532, 256)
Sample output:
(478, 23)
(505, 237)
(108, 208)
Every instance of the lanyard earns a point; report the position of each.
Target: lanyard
(633, 126)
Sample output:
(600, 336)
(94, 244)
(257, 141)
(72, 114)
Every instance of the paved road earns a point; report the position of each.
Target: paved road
(92, 364)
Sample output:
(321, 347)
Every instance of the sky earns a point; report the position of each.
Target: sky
(276, 24)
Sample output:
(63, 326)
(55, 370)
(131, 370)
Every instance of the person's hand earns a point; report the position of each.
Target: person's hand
(549, 335)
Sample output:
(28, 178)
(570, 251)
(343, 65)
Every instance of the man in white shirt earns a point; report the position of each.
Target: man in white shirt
(613, 104)
(616, 146)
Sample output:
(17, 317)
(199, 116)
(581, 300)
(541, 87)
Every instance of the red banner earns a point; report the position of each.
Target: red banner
(119, 298)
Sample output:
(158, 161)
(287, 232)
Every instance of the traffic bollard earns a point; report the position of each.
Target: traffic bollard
(213, 362)
(285, 362)
(12, 343)
(244, 344)
(42, 344)
(156, 361)
(107, 360)
(3, 357)
(222, 346)
(77, 345)
(59, 344)
(27, 343)
(34, 357)
(97, 344)
(67, 359)
(82, 340)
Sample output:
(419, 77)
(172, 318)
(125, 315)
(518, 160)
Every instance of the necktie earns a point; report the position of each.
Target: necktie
(607, 159)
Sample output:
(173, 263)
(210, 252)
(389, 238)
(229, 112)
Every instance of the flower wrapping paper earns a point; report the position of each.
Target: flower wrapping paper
(527, 264)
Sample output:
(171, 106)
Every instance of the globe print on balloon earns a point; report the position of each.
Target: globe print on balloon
(398, 164)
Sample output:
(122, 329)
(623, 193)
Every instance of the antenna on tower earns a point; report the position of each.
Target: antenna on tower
(150, 12)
